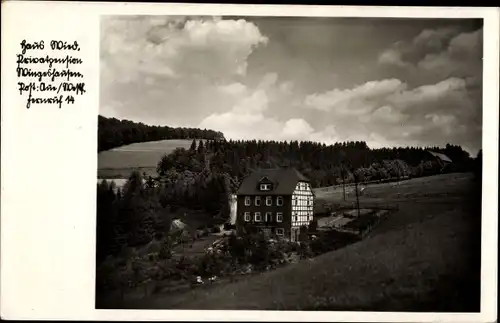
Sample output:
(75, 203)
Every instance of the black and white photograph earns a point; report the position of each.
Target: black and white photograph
(289, 163)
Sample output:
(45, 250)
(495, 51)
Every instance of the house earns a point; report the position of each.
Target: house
(441, 159)
(276, 201)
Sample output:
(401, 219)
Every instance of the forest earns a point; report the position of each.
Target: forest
(114, 133)
(323, 165)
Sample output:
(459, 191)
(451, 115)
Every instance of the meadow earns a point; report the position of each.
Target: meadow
(424, 257)
(120, 162)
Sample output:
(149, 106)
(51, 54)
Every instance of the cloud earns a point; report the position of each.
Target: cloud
(450, 90)
(463, 56)
(383, 113)
(286, 87)
(445, 52)
(179, 48)
(357, 101)
(169, 68)
(249, 118)
(386, 111)
(233, 88)
(387, 115)
(392, 57)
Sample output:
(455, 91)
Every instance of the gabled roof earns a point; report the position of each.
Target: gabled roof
(284, 181)
(443, 157)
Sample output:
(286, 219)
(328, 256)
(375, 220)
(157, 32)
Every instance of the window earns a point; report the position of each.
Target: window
(265, 187)
(295, 218)
(247, 216)
(279, 201)
(269, 216)
(248, 201)
(258, 217)
(269, 201)
(257, 201)
(294, 202)
(279, 216)
(280, 231)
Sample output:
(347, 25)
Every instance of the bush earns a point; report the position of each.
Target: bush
(165, 249)
(154, 246)
(305, 250)
(313, 226)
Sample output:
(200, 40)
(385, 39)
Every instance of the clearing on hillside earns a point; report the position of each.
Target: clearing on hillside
(120, 162)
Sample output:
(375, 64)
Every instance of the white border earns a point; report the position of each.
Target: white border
(49, 165)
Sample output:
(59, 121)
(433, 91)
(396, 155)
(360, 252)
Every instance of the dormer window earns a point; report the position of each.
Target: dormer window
(265, 187)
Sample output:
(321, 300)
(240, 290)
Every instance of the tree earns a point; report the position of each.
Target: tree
(478, 165)
(201, 148)
(193, 145)
(313, 225)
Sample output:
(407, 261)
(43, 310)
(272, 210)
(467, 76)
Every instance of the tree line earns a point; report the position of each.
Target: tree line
(114, 133)
(324, 165)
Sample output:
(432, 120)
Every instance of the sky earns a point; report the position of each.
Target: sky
(388, 82)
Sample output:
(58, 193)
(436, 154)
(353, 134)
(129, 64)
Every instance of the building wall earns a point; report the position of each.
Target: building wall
(233, 205)
(241, 224)
(302, 205)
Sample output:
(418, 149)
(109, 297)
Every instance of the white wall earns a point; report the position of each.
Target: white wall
(302, 209)
(233, 206)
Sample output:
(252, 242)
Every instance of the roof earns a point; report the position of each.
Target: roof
(284, 181)
(177, 225)
(443, 157)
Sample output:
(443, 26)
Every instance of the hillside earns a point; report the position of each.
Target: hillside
(121, 161)
(409, 263)
(114, 133)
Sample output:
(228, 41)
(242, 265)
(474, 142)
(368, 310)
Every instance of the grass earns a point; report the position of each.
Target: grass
(424, 257)
(120, 162)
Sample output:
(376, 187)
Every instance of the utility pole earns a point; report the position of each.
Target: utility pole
(357, 193)
(343, 179)
(397, 166)
(342, 170)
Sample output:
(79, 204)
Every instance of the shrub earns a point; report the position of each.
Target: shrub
(154, 246)
(165, 249)
(305, 250)
(313, 226)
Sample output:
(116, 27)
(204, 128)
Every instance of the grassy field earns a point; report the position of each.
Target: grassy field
(144, 156)
(424, 257)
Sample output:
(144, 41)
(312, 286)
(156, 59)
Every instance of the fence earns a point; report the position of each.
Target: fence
(350, 185)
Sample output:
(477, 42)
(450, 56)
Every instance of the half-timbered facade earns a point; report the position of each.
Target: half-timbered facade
(276, 201)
